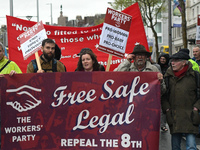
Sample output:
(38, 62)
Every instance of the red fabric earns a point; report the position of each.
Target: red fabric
(181, 72)
(72, 39)
(116, 106)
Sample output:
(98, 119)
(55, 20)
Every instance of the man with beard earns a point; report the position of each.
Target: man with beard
(47, 61)
(139, 57)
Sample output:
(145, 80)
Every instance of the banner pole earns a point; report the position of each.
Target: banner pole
(38, 61)
(109, 60)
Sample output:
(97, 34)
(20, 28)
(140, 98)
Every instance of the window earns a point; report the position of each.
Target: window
(158, 27)
(159, 39)
(197, 10)
(159, 15)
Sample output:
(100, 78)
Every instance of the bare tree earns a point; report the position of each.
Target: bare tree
(184, 24)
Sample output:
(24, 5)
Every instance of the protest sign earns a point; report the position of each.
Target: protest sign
(115, 33)
(198, 30)
(107, 110)
(31, 40)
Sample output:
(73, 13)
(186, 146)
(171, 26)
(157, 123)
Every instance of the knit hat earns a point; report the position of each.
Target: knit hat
(84, 49)
(141, 49)
(185, 50)
(180, 55)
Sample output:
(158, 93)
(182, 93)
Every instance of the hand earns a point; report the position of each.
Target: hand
(40, 71)
(1, 75)
(12, 72)
(130, 57)
(160, 76)
(195, 109)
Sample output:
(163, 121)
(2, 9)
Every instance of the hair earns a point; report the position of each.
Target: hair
(47, 41)
(2, 46)
(94, 59)
(197, 46)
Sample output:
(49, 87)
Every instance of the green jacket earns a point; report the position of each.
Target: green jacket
(195, 66)
(11, 66)
(180, 99)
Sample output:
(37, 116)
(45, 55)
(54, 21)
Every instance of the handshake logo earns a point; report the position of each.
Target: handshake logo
(28, 104)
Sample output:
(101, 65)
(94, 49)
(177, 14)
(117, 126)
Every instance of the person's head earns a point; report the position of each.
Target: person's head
(48, 49)
(84, 49)
(179, 60)
(196, 52)
(2, 51)
(87, 61)
(141, 55)
(163, 59)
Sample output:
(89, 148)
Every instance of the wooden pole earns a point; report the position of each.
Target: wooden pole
(109, 60)
(38, 61)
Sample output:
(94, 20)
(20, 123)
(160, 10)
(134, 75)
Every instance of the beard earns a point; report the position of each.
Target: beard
(140, 63)
(49, 58)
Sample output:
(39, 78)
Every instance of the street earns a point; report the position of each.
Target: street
(165, 141)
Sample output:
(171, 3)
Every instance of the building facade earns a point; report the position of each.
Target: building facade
(192, 11)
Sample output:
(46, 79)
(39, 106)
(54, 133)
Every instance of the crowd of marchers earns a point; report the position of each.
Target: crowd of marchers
(178, 76)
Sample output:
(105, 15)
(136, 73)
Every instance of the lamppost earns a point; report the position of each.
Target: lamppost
(11, 10)
(29, 17)
(37, 11)
(11, 7)
(51, 12)
(170, 27)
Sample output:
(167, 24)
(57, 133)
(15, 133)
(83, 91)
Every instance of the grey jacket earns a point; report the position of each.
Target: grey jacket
(180, 99)
(128, 66)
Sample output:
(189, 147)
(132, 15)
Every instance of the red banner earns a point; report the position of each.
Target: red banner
(107, 110)
(72, 39)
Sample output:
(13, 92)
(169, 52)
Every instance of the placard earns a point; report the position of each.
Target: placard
(115, 33)
(31, 40)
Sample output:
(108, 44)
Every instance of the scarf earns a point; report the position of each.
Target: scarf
(181, 72)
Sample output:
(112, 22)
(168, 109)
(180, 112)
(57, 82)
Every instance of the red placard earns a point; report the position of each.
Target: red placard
(80, 110)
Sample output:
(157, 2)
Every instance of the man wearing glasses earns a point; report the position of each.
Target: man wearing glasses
(137, 61)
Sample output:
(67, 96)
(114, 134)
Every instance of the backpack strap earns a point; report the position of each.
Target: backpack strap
(54, 66)
(5, 65)
(35, 67)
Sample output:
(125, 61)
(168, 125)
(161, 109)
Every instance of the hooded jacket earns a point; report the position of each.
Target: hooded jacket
(165, 66)
(180, 99)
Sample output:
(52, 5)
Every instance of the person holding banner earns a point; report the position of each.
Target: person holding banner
(87, 61)
(47, 59)
(181, 102)
(139, 56)
(7, 66)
